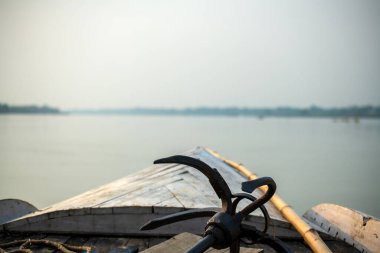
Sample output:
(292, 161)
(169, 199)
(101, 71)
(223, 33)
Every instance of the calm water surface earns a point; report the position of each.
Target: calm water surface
(46, 159)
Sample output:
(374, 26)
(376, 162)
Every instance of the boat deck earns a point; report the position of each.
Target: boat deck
(122, 206)
(108, 218)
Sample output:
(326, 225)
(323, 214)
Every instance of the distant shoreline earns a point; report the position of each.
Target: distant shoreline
(355, 112)
(311, 112)
(28, 109)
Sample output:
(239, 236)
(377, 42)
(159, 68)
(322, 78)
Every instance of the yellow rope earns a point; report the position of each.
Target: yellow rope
(25, 244)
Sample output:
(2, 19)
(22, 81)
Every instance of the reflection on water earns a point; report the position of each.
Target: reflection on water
(46, 159)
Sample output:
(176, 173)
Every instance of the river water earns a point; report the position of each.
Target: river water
(46, 159)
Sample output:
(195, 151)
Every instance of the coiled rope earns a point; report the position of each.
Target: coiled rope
(25, 244)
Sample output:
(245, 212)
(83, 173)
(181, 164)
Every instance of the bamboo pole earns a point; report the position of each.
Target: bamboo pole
(310, 236)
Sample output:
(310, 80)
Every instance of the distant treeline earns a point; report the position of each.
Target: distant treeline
(29, 109)
(313, 111)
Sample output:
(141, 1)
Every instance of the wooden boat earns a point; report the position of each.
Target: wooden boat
(108, 218)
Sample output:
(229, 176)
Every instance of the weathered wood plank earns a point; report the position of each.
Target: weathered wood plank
(171, 205)
(355, 228)
(149, 195)
(188, 195)
(202, 185)
(87, 199)
(138, 186)
(112, 224)
(184, 241)
(113, 190)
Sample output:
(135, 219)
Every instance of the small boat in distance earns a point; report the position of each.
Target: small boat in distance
(109, 218)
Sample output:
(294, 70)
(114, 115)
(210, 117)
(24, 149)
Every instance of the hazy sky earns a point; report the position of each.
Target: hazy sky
(77, 53)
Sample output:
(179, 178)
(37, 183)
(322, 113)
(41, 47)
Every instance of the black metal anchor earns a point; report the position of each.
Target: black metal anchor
(225, 228)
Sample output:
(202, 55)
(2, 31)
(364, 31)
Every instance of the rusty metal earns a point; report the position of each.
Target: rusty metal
(226, 227)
